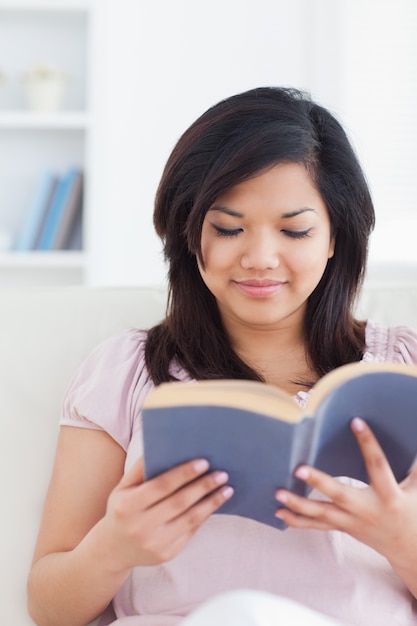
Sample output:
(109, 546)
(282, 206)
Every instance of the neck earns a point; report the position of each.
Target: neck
(278, 355)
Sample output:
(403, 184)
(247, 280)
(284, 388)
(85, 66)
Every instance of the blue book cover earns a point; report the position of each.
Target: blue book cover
(57, 209)
(259, 435)
(70, 218)
(38, 209)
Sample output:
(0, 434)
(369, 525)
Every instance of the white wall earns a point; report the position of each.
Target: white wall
(163, 62)
(380, 103)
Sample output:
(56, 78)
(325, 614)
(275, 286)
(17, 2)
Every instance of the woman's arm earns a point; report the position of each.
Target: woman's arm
(98, 524)
(383, 516)
(65, 583)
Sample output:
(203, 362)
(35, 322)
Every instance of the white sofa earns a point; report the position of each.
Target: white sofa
(44, 334)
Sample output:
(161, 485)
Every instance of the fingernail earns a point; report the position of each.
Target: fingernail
(358, 424)
(221, 477)
(302, 472)
(201, 465)
(228, 491)
(281, 496)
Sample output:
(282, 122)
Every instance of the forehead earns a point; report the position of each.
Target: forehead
(285, 187)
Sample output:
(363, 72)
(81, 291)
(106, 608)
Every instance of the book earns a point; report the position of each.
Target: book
(76, 238)
(71, 214)
(259, 434)
(33, 224)
(56, 212)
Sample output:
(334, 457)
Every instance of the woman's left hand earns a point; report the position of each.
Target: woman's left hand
(383, 515)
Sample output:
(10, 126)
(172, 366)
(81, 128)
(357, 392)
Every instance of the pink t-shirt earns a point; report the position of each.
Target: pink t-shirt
(327, 571)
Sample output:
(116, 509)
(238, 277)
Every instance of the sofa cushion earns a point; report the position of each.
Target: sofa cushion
(44, 334)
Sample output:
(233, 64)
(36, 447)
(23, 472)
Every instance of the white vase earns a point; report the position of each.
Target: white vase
(45, 92)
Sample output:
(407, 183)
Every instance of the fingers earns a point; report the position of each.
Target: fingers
(345, 502)
(183, 527)
(310, 513)
(379, 471)
(298, 519)
(197, 500)
(188, 509)
(164, 485)
(153, 520)
(175, 491)
(180, 515)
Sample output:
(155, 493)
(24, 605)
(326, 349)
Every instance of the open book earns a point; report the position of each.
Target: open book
(259, 435)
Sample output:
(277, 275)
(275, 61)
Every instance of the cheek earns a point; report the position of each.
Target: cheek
(206, 247)
(312, 260)
(210, 259)
(217, 254)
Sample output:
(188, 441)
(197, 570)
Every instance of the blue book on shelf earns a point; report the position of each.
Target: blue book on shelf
(38, 210)
(71, 214)
(57, 209)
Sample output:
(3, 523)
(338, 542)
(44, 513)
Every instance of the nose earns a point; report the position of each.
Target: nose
(261, 252)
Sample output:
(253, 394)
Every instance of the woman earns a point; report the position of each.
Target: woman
(265, 217)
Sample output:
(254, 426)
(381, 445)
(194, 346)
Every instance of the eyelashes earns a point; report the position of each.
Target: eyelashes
(233, 232)
(297, 234)
(226, 232)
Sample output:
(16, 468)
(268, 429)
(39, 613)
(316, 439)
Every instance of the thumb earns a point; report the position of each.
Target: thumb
(134, 476)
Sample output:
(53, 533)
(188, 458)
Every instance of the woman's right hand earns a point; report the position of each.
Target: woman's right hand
(150, 522)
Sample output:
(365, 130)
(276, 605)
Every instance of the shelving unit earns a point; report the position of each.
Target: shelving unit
(42, 268)
(56, 33)
(60, 121)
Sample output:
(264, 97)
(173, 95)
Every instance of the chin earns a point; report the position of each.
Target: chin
(262, 321)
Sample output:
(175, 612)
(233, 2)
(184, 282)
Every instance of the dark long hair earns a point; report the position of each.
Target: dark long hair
(233, 141)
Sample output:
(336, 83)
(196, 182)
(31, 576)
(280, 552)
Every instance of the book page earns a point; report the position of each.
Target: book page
(352, 370)
(248, 395)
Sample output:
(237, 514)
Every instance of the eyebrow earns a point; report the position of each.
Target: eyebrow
(297, 212)
(223, 209)
(233, 213)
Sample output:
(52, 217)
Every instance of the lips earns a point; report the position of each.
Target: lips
(260, 288)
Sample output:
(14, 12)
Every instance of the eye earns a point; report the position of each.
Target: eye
(226, 232)
(297, 234)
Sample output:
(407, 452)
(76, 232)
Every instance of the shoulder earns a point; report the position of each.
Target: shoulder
(397, 344)
(118, 357)
(107, 386)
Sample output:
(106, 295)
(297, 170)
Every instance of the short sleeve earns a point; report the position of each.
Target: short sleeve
(405, 346)
(109, 387)
(396, 344)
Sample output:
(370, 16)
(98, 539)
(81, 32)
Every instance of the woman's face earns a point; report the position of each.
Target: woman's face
(265, 245)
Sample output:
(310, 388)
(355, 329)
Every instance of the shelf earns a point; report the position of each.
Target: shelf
(64, 120)
(56, 32)
(45, 5)
(32, 142)
(49, 260)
